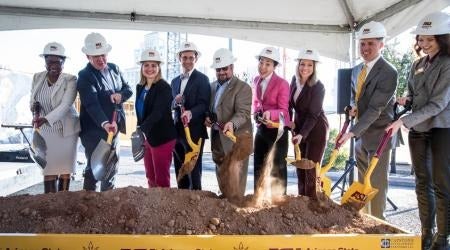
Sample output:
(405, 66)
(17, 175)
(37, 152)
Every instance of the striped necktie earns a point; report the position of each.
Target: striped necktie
(360, 82)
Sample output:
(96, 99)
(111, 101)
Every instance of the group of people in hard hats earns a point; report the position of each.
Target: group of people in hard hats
(164, 111)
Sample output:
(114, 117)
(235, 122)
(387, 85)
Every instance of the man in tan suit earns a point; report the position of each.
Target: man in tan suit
(230, 107)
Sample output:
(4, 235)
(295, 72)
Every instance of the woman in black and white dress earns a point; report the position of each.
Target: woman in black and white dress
(58, 122)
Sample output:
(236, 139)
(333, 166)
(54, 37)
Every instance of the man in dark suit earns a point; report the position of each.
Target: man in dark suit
(191, 91)
(102, 88)
(373, 87)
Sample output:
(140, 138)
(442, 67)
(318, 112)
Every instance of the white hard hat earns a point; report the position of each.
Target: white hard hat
(436, 23)
(150, 55)
(95, 44)
(308, 54)
(222, 57)
(271, 53)
(372, 29)
(55, 49)
(189, 46)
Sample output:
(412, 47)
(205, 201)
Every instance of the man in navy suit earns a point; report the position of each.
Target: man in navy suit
(101, 87)
(191, 90)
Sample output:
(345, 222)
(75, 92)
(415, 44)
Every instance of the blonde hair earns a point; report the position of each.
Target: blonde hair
(143, 80)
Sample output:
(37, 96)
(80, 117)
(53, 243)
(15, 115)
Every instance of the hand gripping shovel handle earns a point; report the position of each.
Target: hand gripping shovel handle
(194, 147)
(398, 114)
(297, 152)
(344, 128)
(36, 114)
(111, 131)
(227, 133)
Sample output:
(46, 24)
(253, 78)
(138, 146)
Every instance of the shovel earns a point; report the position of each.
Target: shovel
(104, 158)
(325, 182)
(227, 133)
(358, 195)
(298, 162)
(38, 149)
(279, 125)
(190, 158)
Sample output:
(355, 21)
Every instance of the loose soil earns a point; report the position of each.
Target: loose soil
(137, 210)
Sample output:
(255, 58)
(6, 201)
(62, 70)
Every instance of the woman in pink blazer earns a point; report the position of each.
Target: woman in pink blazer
(270, 98)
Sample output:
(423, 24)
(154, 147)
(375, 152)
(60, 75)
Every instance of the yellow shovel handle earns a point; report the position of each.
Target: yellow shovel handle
(330, 163)
(195, 147)
(373, 163)
(231, 136)
(273, 124)
(110, 137)
(297, 153)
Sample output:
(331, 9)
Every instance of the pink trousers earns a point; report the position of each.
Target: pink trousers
(157, 162)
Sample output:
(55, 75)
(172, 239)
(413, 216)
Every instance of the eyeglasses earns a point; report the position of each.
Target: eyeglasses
(220, 69)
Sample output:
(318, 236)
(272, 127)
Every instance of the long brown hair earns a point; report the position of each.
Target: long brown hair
(143, 80)
(442, 40)
(312, 79)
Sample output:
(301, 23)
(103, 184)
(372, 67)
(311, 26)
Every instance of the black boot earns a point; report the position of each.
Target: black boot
(440, 242)
(50, 186)
(427, 238)
(63, 184)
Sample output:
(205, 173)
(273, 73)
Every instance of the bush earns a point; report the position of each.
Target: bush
(343, 154)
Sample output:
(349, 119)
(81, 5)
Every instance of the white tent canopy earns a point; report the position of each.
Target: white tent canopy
(325, 25)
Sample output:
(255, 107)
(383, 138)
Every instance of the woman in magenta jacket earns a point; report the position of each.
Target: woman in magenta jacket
(310, 123)
(270, 98)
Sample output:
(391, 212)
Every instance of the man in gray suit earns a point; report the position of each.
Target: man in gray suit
(230, 107)
(373, 87)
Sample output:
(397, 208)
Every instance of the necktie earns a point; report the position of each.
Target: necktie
(360, 82)
(217, 96)
(184, 76)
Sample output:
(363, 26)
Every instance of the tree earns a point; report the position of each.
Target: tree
(402, 62)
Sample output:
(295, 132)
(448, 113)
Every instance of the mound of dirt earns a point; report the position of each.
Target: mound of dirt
(136, 210)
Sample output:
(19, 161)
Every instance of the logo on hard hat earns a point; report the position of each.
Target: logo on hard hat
(366, 31)
(151, 54)
(53, 48)
(427, 25)
(308, 51)
(218, 60)
(187, 45)
(268, 51)
(98, 45)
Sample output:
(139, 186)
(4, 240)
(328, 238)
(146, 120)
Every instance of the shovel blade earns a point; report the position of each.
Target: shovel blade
(111, 165)
(39, 141)
(359, 194)
(281, 124)
(304, 164)
(38, 158)
(38, 149)
(99, 159)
